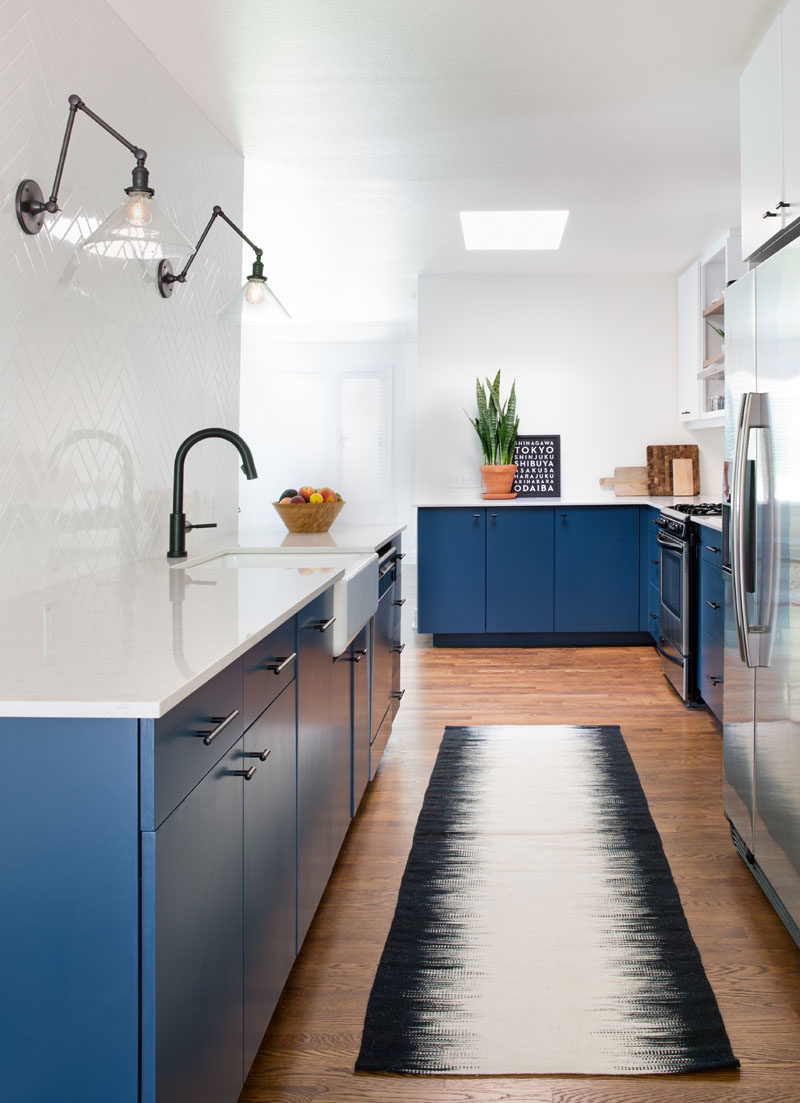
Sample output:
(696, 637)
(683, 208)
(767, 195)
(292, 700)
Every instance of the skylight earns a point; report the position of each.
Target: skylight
(513, 229)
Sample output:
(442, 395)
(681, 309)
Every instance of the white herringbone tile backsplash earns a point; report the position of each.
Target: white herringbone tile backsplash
(100, 378)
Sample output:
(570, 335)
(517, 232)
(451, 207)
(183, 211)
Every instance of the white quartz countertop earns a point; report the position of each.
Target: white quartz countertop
(136, 640)
(475, 501)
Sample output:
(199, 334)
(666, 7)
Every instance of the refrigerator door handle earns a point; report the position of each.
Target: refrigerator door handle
(754, 414)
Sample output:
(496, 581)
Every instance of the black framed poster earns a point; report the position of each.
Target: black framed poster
(538, 461)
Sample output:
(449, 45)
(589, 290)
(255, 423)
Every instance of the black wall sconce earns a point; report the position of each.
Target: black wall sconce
(137, 229)
(255, 291)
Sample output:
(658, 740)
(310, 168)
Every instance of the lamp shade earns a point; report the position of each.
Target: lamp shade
(138, 230)
(256, 304)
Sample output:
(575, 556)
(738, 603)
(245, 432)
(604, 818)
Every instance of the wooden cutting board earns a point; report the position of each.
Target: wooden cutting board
(628, 481)
(659, 467)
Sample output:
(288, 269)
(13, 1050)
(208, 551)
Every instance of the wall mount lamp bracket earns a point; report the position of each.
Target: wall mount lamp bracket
(31, 206)
(136, 229)
(166, 277)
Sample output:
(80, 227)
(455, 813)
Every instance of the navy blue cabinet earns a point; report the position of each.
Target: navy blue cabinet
(360, 732)
(323, 757)
(452, 570)
(519, 570)
(711, 621)
(498, 574)
(270, 874)
(69, 922)
(192, 943)
(597, 569)
(648, 570)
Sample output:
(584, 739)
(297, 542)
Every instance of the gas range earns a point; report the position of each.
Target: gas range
(681, 527)
(703, 509)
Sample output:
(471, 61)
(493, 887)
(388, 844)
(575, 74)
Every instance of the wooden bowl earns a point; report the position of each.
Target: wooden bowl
(308, 516)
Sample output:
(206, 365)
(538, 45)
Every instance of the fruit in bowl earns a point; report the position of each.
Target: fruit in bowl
(309, 510)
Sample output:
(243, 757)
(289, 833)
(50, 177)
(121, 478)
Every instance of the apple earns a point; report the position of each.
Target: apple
(286, 500)
(328, 495)
(298, 500)
(306, 492)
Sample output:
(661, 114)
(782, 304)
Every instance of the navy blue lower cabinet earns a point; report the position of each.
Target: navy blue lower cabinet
(648, 565)
(69, 922)
(519, 569)
(597, 569)
(360, 715)
(323, 748)
(451, 579)
(270, 874)
(711, 619)
(653, 610)
(192, 943)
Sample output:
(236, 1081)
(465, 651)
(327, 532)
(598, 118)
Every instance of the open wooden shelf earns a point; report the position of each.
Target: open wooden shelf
(717, 307)
(719, 360)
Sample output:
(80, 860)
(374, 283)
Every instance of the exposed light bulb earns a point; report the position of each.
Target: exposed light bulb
(139, 211)
(255, 292)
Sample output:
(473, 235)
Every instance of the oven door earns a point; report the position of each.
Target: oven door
(674, 592)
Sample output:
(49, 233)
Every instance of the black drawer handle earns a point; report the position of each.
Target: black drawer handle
(399, 650)
(280, 665)
(715, 681)
(713, 605)
(323, 625)
(397, 694)
(654, 616)
(246, 774)
(356, 657)
(400, 601)
(711, 548)
(654, 562)
(770, 214)
(221, 722)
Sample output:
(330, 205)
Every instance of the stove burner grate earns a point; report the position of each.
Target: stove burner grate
(706, 509)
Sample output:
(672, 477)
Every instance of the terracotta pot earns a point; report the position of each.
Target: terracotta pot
(498, 479)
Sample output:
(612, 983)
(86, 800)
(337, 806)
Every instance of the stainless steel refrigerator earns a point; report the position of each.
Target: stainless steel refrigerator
(761, 705)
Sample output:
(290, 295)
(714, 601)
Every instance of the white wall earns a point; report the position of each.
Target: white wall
(87, 346)
(594, 360)
(290, 415)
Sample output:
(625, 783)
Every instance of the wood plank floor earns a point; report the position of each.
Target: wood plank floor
(752, 963)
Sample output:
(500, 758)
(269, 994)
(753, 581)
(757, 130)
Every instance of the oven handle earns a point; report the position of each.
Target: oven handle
(661, 651)
(670, 542)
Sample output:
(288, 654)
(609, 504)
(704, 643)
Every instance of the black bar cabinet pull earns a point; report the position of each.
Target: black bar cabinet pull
(280, 664)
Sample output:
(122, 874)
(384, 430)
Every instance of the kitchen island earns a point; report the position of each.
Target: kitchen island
(178, 765)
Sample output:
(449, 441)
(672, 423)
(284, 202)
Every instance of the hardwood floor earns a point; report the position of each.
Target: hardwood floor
(752, 963)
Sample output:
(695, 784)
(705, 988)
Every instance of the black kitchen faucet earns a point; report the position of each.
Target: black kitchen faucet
(178, 525)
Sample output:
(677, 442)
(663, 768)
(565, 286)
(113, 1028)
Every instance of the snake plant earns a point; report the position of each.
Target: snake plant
(496, 424)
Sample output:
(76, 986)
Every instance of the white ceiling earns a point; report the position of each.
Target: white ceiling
(368, 124)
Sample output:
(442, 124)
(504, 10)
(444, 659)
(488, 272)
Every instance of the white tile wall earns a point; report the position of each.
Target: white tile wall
(100, 379)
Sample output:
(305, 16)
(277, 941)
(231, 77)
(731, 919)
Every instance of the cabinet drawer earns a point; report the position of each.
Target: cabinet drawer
(710, 673)
(194, 735)
(268, 669)
(712, 602)
(710, 546)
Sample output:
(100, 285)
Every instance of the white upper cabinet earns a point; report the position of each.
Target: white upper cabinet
(701, 332)
(769, 111)
(689, 343)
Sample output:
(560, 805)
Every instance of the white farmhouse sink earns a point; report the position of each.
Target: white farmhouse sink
(355, 594)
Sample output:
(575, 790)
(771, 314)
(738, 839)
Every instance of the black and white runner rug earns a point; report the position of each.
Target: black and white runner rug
(538, 928)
